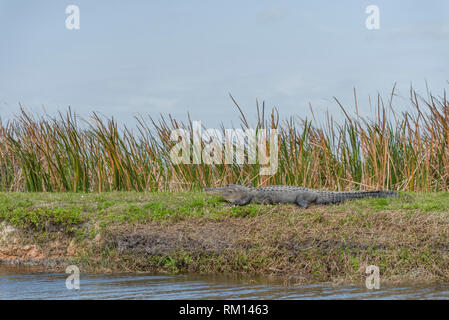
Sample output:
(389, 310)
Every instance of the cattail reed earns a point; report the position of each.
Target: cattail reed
(407, 151)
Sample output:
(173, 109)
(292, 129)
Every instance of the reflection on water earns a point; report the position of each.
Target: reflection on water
(30, 283)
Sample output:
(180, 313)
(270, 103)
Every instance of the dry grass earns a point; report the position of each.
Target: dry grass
(190, 232)
(315, 246)
(407, 151)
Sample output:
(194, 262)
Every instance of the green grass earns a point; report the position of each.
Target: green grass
(425, 202)
(37, 209)
(68, 209)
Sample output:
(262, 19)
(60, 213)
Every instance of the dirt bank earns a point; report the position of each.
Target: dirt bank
(190, 233)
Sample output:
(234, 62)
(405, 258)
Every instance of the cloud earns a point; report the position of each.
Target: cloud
(270, 15)
(290, 85)
(420, 31)
(159, 104)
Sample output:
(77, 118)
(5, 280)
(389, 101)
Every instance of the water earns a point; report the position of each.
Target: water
(32, 283)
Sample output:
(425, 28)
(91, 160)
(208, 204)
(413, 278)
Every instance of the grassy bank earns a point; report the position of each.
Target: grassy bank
(191, 232)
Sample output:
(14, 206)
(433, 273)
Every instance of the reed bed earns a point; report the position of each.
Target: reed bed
(406, 151)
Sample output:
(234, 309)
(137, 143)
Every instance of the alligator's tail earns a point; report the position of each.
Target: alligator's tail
(394, 194)
(369, 194)
(335, 197)
(388, 194)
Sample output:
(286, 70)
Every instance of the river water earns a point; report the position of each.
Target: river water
(33, 283)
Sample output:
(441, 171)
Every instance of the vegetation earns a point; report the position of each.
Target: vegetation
(191, 232)
(36, 209)
(407, 151)
(166, 226)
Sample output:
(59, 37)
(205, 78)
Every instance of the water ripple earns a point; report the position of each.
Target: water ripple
(19, 283)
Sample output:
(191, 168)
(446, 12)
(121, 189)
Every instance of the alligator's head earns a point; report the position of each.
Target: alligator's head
(231, 192)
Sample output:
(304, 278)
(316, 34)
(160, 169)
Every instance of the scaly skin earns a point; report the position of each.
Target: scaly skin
(239, 195)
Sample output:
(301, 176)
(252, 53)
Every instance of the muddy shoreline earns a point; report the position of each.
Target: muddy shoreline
(183, 248)
(189, 233)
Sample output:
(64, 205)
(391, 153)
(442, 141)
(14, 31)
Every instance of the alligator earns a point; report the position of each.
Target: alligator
(239, 195)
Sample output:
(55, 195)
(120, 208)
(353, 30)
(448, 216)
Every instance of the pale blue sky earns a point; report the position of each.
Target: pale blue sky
(156, 57)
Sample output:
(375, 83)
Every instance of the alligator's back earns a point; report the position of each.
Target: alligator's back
(325, 197)
(303, 197)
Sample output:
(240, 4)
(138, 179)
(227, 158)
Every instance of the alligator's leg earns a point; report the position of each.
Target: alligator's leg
(242, 202)
(302, 203)
(306, 198)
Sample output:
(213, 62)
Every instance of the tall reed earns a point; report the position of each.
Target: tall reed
(407, 151)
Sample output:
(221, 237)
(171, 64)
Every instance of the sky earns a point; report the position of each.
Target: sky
(178, 57)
